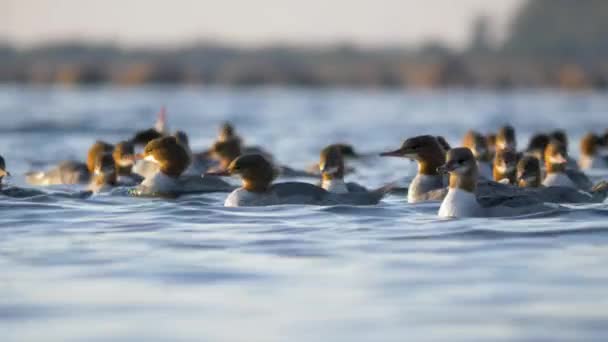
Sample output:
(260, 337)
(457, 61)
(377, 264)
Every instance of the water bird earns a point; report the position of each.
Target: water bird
(70, 172)
(477, 143)
(258, 175)
(593, 153)
(505, 167)
(429, 154)
(463, 199)
(172, 160)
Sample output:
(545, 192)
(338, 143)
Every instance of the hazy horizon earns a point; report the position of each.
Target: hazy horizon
(139, 23)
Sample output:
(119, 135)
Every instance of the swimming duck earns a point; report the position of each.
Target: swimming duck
(505, 167)
(429, 154)
(332, 169)
(124, 159)
(558, 173)
(561, 137)
(70, 172)
(479, 146)
(491, 143)
(104, 173)
(462, 199)
(591, 153)
(258, 174)
(537, 145)
(172, 160)
(506, 139)
(529, 174)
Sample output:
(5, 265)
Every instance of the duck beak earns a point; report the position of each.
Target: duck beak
(395, 153)
(446, 168)
(223, 173)
(558, 159)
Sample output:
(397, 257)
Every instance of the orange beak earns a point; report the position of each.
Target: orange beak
(223, 173)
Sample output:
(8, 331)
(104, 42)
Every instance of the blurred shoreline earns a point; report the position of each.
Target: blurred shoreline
(340, 66)
(549, 44)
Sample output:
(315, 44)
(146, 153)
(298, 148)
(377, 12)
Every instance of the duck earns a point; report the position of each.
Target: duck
(172, 160)
(591, 153)
(258, 175)
(477, 143)
(505, 167)
(332, 170)
(124, 159)
(537, 145)
(557, 171)
(506, 139)
(561, 136)
(70, 172)
(529, 173)
(3, 172)
(104, 175)
(462, 199)
(429, 154)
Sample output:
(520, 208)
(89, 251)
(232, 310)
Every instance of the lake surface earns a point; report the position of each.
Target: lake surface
(130, 269)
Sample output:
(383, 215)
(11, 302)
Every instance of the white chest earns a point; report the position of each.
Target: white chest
(336, 186)
(421, 184)
(159, 182)
(459, 203)
(558, 179)
(243, 198)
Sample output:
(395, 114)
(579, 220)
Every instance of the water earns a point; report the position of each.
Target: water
(122, 269)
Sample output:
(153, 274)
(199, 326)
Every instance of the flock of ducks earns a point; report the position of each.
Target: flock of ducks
(487, 177)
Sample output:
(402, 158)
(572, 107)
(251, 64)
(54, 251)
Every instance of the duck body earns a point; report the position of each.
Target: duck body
(66, 172)
(425, 188)
(299, 193)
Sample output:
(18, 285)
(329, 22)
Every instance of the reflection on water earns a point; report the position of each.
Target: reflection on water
(121, 268)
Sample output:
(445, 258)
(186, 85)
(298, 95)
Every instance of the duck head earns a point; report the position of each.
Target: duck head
(505, 166)
(528, 172)
(331, 163)
(99, 148)
(461, 165)
(169, 154)
(256, 172)
(505, 138)
(124, 157)
(425, 149)
(556, 157)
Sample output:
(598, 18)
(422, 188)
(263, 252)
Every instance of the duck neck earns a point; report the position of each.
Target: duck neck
(529, 183)
(428, 166)
(252, 185)
(555, 168)
(466, 183)
(504, 174)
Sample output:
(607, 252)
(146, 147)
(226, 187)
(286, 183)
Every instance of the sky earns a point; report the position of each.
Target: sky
(248, 22)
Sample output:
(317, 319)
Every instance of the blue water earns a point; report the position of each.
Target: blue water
(125, 269)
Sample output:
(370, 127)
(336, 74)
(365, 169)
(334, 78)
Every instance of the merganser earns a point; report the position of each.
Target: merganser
(332, 169)
(558, 174)
(142, 138)
(70, 172)
(537, 145)
(428, 184)
(505, 138)
(172, 160)
(529, 177)
(225, 152)
(124, 159)
(258, 174)
(561, 136)
(462, 200)
(478, 145)
(529, 174)
(227, 132)
(505, 167)
(591, 153)
(3, 172)
(104, 173)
